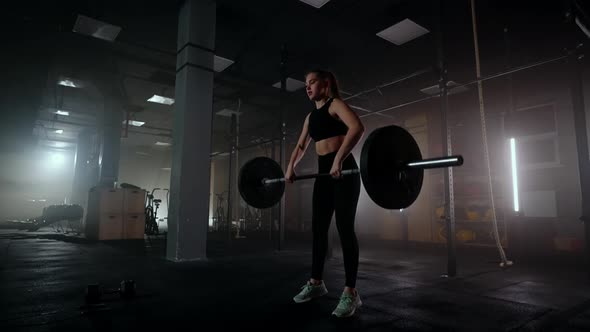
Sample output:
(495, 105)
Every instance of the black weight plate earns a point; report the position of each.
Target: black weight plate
(389, 184)
(252, 190)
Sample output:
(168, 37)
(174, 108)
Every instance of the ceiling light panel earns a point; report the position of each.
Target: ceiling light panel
(315, 3)
(220, 64)
(292, 84)
(403, 32)
(70, 82)
(88, 26)
(134, 123)
(161, 100)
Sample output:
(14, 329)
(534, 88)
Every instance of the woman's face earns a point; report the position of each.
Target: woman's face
(316, 88)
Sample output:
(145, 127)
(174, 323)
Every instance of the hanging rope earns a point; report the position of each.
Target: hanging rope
(505, 262)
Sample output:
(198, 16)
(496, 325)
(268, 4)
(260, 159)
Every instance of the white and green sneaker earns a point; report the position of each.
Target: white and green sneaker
(310, 291)
(347, 305)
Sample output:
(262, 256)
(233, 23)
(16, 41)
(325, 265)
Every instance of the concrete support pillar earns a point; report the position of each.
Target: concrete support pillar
(86, 167)
(189, 182)
(110, 147)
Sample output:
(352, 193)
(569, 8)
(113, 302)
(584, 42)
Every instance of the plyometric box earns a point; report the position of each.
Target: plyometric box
(115, 214)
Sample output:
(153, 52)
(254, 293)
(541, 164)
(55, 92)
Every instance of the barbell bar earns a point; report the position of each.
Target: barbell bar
(391, 168)
(423, 164)
(310, 176)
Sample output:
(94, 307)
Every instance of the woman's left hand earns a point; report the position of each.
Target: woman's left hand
(336, 171)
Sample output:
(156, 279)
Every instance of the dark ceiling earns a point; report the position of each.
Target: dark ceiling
(40, 46)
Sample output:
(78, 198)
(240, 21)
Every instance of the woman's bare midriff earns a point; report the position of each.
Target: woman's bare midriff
(329, 145)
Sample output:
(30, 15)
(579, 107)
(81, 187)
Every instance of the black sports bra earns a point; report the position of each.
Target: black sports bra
(322, 125)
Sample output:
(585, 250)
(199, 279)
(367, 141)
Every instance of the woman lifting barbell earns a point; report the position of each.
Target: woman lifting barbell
(336, 129)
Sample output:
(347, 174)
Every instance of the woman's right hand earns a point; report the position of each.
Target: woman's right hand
(289, 175)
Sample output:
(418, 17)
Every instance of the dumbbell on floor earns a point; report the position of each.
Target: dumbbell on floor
(94, 292)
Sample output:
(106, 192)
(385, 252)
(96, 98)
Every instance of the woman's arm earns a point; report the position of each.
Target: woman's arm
(300, 149)
(355, 132)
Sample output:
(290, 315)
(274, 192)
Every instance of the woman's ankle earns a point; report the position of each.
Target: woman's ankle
(315, 281)
(350, 290)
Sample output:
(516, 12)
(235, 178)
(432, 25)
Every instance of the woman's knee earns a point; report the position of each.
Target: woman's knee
(347, 235)
(320, 228)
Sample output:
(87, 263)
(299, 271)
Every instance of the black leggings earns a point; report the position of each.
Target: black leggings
(341, 196)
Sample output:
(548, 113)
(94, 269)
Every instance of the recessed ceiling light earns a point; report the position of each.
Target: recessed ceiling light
(161, 100)
(402, 32)
(315, 3)
(59, 131)
(70, 82)
(166, 168)
(64, 113)
(134, 123)
(67, 82)
(95, 28)
(163, 143)
(292, 84)
(220, 63)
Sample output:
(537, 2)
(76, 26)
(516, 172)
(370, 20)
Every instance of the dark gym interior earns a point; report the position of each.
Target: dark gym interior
(125, 127)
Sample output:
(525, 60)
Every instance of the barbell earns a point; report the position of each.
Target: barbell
(391, 168)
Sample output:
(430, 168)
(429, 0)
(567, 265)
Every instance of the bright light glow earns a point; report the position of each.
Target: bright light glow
(514, 173)
(56, 158)
(134, 123)
(161, 100)
(166, 168)
(433, 162)
(163, 144)
(65, 113)
(59, 131)
(42, 200)
(59, 145)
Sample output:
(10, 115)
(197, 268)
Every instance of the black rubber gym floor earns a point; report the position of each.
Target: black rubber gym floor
(43, 277)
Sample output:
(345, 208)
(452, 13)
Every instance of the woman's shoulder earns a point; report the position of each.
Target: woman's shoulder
(336, 104)
(337, 101)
